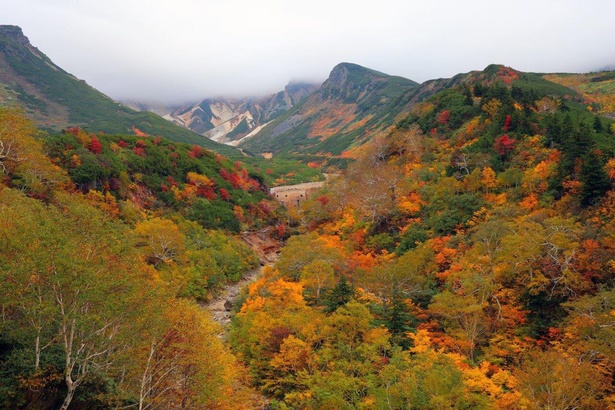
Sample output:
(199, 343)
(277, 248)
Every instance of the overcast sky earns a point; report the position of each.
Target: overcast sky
(182, 50)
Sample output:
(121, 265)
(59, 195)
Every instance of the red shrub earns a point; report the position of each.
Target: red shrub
(224, 194)
(507, 123)
(195, 152)
(444, 117)
(95, 146)
(504, 144)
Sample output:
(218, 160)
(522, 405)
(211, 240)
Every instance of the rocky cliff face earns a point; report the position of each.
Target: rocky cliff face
(228, 120)
(13, 39)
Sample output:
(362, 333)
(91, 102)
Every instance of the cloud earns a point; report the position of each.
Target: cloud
(188, 49)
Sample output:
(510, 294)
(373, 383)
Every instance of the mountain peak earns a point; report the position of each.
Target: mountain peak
(14, 33)
(353, 100)
(345, 72)
(11, 31)
(351, 67)
(14, 42)
(348, 80)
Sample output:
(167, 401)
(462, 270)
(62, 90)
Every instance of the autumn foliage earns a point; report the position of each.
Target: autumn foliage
(99, 291)
(95, 146)
(504, 144)
(462, 260)
(460, 254)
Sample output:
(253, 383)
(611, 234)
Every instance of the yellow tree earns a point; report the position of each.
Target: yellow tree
(489, 179)
(317, 277)
(554, 380)
(492, 108)
(301, 251)
(79, 290)
(98, 288)
(183, 363)
(29, 237)
(473, 306)
(541, 256)
(463, 317)
(22, 157)
(547, 105)
(410, 276)
(199, 180)
(274, 310)
(590, 330)
(162, 240)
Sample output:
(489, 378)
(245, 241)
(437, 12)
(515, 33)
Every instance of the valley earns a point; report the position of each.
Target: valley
(371, 243)
(268, 251)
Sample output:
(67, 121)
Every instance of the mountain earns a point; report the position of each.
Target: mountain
(356, 103)
(494, 74)
(597, 89)
(353, 102)
(55, 99)
(463, 259)
(227, 120)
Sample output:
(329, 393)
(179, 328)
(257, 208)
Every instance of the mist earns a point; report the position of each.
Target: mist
(174, 52)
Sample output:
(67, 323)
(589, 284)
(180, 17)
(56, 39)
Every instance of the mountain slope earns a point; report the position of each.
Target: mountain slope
(479, 229)
(356, 103)
(135, 248)
(598, 89)
(352, 102)
(55, 99)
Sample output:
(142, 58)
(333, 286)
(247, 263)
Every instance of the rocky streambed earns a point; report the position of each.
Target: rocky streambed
(267, 250)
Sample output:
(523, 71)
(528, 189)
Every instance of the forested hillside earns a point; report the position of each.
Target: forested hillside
(107, 244)
(597, 88)
(464, 261)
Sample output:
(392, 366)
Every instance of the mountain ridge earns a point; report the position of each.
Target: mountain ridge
(354, 104)
(57, 100)
(356, 93)
(227, 120)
